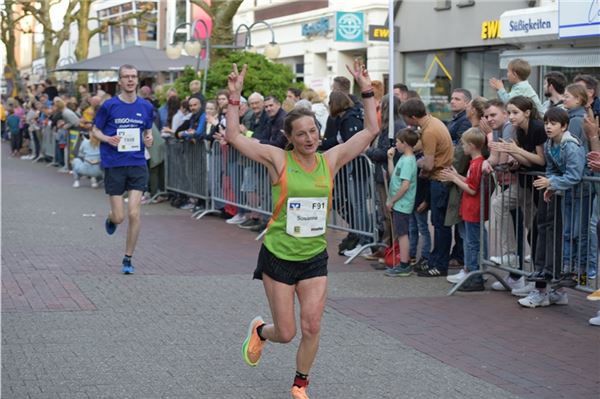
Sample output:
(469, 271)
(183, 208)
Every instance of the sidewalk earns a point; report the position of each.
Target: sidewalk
(74, 327)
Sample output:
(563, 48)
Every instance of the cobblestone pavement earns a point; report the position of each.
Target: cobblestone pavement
(74, 327)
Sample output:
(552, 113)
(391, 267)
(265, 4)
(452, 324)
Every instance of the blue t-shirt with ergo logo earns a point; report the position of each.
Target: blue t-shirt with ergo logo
(116, 114)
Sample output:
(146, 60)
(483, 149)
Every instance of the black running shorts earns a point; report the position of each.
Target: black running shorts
(125, 178)
(290, 272)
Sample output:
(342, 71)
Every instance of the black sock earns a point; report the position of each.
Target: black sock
(301, 380)
(259, 332)
(403, 264)
(127, 258)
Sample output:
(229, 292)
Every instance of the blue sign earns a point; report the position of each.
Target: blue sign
(316, 28)
(578, 18)
(349, 26)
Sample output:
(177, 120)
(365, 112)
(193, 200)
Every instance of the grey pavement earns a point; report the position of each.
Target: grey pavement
(74, 327)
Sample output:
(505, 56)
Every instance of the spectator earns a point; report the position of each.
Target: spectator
(401, 196)
(518, 73)
(195, 87)
(348, 120)
(293, 94)
(172, 108)
(591, 86)
(87, 162)
(163, 110)
(288, 105)
(460, 123)
(13, 121)
(505, 219)
(528, 151)
(50, 90)
(400, 91)
(438, 154)
(318, 107)
(554, 88)
(273, 133)
(575, 100)
(378, 155)
(473, 142)
(459, 102)
(565, 163)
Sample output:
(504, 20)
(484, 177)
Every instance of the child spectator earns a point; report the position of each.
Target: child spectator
(575, 100)
(87, 162)
(473, 141)
(401, 198)
(61, 142)
(13, 121)
(419, 225)
(565, 163)
(517, 74)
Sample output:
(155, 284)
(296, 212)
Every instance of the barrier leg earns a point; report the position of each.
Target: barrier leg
(362, 248)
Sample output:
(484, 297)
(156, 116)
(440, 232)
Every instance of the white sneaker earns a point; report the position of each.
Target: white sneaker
(523, 291)
(513, 284)
(94, 182)
(76, 184)
(236, 219)
(558, 298)
(595, 321)
(63, 170)
(455, 278)
(535, 299)
(527, 259)
(510, 259)
(352, 252)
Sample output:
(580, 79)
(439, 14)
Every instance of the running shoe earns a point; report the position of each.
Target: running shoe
(127, 266)
(110, 226)
(594, 296)
(299, 393)
(253, 345)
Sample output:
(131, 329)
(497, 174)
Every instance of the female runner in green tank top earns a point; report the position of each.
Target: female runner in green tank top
(293, 258)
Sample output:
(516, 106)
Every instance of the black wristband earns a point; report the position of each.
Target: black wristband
(368, 94)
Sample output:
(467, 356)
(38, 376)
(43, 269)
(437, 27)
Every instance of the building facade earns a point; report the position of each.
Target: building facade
(464, 43)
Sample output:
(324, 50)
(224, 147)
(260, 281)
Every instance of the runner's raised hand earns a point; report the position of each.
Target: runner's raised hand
(235, 80)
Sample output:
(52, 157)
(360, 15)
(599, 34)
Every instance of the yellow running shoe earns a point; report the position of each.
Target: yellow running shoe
(299, 393)
(253, 345)
(594, 296)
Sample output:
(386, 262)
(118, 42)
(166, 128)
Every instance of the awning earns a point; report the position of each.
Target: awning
(145, 59)
(559, 57)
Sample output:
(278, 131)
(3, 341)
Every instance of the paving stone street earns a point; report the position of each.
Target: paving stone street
(74, 327)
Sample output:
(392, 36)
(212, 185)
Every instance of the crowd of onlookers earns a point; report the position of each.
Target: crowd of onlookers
(547, 218)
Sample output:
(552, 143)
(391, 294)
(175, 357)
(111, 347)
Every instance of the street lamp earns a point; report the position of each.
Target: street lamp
(192, 47)
(272, 49)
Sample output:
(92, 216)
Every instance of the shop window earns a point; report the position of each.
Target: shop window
(476, 70)
(431, 75)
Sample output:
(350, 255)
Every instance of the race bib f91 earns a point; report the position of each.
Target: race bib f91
(306, 217)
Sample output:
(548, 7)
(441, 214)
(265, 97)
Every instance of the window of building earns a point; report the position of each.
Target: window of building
(141, 31)
(431, 76)
(299, 70)
(476, 70)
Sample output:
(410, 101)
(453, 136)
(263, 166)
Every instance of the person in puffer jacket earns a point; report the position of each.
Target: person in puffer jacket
(575, 100)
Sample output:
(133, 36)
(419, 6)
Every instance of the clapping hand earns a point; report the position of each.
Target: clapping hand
(496, 84)
(593, 159)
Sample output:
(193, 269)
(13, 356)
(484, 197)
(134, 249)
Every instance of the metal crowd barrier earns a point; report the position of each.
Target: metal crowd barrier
(528, 234)
(241, 182)
(187, 169)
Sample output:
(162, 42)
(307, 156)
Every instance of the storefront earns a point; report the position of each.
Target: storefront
(449, 47)
(571, 46)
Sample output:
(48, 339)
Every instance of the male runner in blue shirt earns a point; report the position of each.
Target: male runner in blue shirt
(123, 124)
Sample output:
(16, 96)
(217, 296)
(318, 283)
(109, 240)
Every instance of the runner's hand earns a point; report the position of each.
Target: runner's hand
(113, 140)
(148, 140)
(360, 74)
(235, 80)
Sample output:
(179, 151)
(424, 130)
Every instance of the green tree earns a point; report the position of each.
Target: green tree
(263, 76)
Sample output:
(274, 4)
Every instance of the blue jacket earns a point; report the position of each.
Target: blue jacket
(458, 125)
(567, 169)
